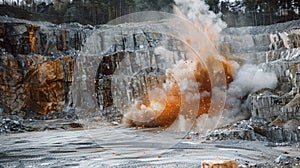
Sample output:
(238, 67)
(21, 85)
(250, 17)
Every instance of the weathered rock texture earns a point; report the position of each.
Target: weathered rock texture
(36, 66)
(34, 84)
(277, 49)
(219, 163)
(254, 43)
(23, 37)
(286, 65)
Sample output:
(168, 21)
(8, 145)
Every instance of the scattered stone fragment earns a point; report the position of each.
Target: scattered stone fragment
(13, 124)
(281, 158)
(115, 123)
(219, 164)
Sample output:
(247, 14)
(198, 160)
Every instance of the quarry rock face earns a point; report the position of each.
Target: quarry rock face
(36, 67)
(37, 70)
(262, 43)
(34, 84)
(276, 49)
(22, 37)
(11, 80)
(46, 86)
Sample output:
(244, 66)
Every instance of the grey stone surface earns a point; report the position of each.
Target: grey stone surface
(276, 47)
(272, 131)
(113, 146)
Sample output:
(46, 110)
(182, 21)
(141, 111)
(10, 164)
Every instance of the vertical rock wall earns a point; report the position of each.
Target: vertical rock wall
(276, 48)
(36, 66)
(286, 66)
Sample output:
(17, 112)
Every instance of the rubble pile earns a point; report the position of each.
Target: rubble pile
(281, 162)
(255, 129)
(243, 130)
(13, 124)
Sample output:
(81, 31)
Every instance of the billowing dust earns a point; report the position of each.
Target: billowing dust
(187, 91)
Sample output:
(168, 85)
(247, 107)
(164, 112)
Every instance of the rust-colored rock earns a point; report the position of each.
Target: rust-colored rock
(32, 40)
(294, 36)
(44, 88)
(36, 71)
(19, 38)
(219, 164)
(24, 38)
(34, 84)
(69, 63)
(13, 73)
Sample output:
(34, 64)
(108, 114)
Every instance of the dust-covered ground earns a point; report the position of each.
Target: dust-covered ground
(112, 145)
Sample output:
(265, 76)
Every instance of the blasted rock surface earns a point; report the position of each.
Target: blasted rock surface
(276, 48)
(37, 61)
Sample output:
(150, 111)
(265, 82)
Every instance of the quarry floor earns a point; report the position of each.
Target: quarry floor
(108, 145)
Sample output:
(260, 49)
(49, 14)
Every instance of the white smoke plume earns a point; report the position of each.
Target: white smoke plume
(198, 12)
(249, 78)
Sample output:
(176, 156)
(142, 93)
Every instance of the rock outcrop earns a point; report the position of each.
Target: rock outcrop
(286, 66)
(23, 37)
(261, 44)
(276, 48)
(35, 84)
(36, 66)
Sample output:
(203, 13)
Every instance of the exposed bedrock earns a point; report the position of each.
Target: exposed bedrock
(37, 66)
(275, 48)
(34, 84)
